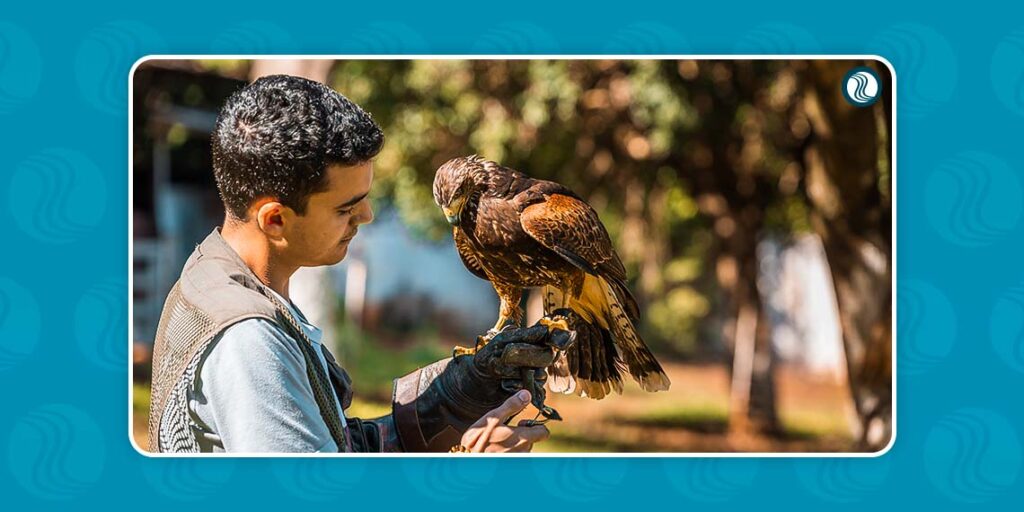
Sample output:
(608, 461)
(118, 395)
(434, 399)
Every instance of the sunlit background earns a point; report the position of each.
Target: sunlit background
(750, 204)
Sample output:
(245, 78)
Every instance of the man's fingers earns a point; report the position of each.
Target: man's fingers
(511, 407)
(522, 446)
(515, 439)
(470, 438)
(497, 417)
(495, 437)
(534, 434)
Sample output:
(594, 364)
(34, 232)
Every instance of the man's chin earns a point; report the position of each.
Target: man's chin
(342, 252)
(338, 256)
(329, 259)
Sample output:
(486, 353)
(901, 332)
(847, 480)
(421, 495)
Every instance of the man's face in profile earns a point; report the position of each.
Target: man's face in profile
(322, 235)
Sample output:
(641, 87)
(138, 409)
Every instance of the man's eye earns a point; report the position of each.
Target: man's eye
(345, 211)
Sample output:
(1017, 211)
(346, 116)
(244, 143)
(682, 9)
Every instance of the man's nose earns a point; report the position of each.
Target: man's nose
(365, 215)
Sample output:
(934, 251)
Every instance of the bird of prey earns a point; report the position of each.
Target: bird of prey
(518, 232)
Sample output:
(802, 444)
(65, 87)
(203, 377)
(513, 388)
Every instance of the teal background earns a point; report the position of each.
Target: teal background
(63, 282)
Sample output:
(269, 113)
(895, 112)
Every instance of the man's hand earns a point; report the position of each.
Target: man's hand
(513, 350)
(490, 434)
(436, 405)
(518, 358)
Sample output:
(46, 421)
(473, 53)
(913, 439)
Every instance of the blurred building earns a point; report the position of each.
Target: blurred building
(394, 280)
(800, 303)
(175, 202)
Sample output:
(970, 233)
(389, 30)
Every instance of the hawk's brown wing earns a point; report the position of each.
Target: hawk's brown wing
(571, 228)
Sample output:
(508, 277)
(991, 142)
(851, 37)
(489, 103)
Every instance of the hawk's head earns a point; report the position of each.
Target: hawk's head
(457, 183)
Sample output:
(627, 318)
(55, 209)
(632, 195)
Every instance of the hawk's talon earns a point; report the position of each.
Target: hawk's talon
(463, 351)
(480, 342)
(533, 422)
(550, 414)
(484, 339)
(561, 323)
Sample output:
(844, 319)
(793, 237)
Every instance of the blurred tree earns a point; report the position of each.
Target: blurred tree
(734, 161)
(849, 184)
(611, 130)
(689, 164)
(675, 156)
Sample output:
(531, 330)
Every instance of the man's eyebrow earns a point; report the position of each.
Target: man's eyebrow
(353, 201)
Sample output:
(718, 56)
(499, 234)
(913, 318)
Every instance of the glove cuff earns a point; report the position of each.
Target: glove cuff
(435, 405)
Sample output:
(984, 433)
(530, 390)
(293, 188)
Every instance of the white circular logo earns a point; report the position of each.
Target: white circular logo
(861, 87)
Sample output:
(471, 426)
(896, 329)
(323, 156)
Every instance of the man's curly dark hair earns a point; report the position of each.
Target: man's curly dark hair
(277, 136)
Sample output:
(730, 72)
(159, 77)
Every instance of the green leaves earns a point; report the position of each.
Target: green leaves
(637, 139)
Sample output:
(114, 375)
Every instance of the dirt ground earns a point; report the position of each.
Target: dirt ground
(690, 417)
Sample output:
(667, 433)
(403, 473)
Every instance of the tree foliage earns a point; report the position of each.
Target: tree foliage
(666, 151)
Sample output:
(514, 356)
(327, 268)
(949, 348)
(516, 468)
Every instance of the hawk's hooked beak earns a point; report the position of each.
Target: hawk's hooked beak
(453, 217)
(453, 211)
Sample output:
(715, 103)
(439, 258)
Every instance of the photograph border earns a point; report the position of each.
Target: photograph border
(892, 91)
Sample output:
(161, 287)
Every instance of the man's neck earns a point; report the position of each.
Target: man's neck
(256, 251)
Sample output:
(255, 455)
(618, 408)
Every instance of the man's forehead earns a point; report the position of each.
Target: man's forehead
(348, 181)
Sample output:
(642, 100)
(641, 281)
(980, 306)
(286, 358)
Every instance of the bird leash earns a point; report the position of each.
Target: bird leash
(559, 341)
(537, 396)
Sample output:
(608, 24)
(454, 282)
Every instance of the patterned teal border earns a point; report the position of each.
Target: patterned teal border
(63, 311)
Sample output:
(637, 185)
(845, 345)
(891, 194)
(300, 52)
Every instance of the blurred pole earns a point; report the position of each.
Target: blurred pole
(355, 291)
(742, 369)
(312, 69)
(311, 288)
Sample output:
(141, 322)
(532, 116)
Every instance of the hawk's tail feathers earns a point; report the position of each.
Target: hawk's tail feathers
(591, 366)
(639, 360)
(594, 362)
(560, 380)
(624, 297)
(606, 345)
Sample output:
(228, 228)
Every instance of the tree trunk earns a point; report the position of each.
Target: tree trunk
(752, 405)
(848, 190)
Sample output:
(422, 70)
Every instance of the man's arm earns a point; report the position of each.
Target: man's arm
(436, 407)
(444, 424)
(382, 434)
(253, 393)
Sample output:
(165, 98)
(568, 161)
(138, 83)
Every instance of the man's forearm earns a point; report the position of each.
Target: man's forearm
(433, 406)
(407, 428)
(422, 420)
(377, 435)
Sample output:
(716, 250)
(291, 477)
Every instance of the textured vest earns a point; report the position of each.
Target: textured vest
(216, 290)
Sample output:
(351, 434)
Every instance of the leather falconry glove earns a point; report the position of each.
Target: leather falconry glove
(435, 405)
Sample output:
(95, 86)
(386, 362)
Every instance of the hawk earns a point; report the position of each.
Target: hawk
(518, 232)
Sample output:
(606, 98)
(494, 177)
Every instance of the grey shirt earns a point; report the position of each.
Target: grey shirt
(252, 393)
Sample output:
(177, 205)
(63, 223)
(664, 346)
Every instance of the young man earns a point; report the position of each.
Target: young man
(238, 368)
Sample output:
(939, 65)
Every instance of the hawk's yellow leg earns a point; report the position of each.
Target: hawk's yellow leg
(509, 314)
(482, 340)
(561, 323)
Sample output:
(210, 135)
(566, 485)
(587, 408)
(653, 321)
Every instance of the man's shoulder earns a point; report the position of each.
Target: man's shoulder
(223, 290)
(256, 342)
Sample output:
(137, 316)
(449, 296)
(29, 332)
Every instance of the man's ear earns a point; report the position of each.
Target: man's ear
(270, 217)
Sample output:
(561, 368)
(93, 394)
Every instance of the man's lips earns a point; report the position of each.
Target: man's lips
(349, 238)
